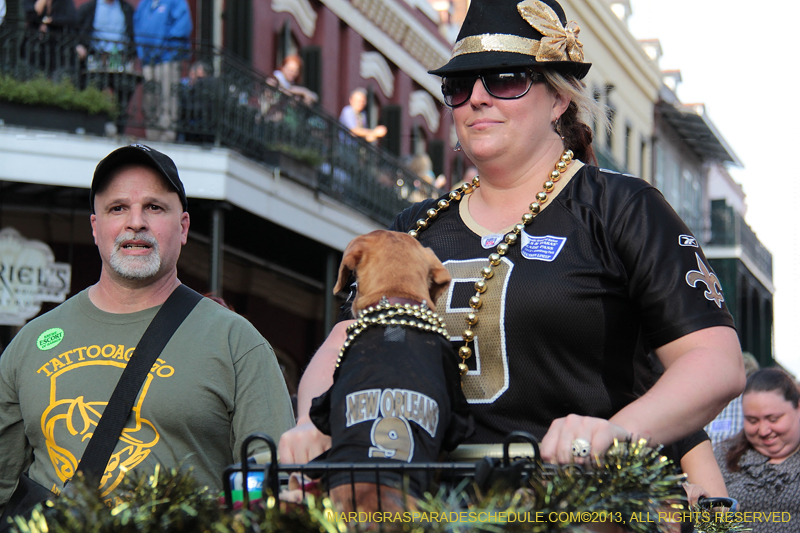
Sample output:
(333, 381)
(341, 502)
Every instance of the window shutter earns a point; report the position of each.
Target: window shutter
(392, 119)
(436, 153)
(312, 68)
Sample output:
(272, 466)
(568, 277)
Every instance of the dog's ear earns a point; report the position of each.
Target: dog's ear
(350, 260)
(439, 276)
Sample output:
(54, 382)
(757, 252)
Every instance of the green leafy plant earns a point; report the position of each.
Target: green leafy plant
(40, 91)
(307, 156)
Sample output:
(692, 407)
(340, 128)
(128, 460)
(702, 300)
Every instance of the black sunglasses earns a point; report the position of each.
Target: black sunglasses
(503, 85)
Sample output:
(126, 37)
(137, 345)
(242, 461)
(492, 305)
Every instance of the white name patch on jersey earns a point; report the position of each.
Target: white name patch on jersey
(544, 248)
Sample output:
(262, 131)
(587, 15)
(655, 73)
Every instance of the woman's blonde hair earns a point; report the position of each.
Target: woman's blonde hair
(582, 109)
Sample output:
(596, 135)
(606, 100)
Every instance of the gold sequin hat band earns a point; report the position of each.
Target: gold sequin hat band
(508, 33)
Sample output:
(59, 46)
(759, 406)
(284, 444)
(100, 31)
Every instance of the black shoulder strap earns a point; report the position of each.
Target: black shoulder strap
(172, 313)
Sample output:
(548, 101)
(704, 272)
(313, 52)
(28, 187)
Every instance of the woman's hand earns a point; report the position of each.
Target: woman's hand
(302, 443)
(557, 444)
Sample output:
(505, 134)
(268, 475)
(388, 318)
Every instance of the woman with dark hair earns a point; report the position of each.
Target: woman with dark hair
(760, 465)
(564, 275)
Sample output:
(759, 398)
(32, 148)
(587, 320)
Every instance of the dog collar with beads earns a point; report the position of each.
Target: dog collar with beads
(465, 352)
(386, 314)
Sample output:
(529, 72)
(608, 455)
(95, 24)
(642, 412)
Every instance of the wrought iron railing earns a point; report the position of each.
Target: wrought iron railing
(229, 105)
(728, 228)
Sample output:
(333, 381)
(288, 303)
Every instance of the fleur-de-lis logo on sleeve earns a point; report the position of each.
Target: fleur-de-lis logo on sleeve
(705, 276)
(559, 43)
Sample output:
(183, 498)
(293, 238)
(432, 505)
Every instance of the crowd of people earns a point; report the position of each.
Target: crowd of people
(583, 328)
(119, 46)
(108, 36)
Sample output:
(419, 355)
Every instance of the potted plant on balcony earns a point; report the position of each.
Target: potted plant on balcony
(45, 104)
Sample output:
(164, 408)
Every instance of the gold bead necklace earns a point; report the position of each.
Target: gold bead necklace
(465, 352)
(386, 314)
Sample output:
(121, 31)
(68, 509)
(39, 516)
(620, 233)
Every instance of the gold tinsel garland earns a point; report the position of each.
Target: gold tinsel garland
(630, 485)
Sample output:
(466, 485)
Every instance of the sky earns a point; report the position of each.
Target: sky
(739, 58)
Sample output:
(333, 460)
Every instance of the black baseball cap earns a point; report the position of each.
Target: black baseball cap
(138, 154)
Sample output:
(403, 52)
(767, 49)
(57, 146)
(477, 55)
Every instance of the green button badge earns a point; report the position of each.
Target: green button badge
(50, 338)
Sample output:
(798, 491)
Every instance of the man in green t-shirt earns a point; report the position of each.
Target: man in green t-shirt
(216, 381)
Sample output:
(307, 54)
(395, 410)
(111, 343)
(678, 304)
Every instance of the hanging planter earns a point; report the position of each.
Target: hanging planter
(40, 103)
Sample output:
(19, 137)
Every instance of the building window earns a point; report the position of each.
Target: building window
(392, 118)
(690, 201)
(287, 44)
(418, 140)
(239, 29)
(436, 153)
(205, 24)
(611, 112)
(628, 140)
(643, 160)
(311, 76)
(658, 170)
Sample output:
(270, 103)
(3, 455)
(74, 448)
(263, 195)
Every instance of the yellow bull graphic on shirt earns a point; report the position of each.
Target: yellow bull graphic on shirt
(69, 423)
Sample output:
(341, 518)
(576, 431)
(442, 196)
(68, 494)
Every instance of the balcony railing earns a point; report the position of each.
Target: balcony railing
(232, 105)
(728, 228)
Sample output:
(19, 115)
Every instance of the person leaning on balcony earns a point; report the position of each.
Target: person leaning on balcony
(105, 27)
(50, 24)
(216, 382)
(354, 117)
(105, 49)
(46, 16)
(593, 268)
(162, 29)
(196, 102)
(286, 77)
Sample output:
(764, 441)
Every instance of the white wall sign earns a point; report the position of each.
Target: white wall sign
(29, 276)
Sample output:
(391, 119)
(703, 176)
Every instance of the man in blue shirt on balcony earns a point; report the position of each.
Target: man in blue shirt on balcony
(163, 29)
(106, 27)
(354, 117)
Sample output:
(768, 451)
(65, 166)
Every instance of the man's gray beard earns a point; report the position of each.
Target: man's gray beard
(135, 266)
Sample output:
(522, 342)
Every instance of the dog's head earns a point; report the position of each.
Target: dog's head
(392, 264)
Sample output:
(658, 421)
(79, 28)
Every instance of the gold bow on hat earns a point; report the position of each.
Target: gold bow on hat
(558, 43)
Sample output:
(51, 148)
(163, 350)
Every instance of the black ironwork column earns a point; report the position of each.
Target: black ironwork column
(331, 271)
(217, 254)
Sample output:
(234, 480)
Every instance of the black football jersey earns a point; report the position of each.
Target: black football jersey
(603, 275)
(396, 398)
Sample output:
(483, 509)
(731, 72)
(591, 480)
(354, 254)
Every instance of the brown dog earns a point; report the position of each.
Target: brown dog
(396, 396)
(392, 264)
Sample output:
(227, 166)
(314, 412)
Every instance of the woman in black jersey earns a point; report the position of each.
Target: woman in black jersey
(564, 276)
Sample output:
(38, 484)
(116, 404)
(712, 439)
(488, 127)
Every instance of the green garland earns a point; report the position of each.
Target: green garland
(629, 486)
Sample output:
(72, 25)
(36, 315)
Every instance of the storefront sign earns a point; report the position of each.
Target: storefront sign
(29, 276)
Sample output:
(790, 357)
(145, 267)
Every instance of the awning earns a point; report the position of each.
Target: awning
(697, 131)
